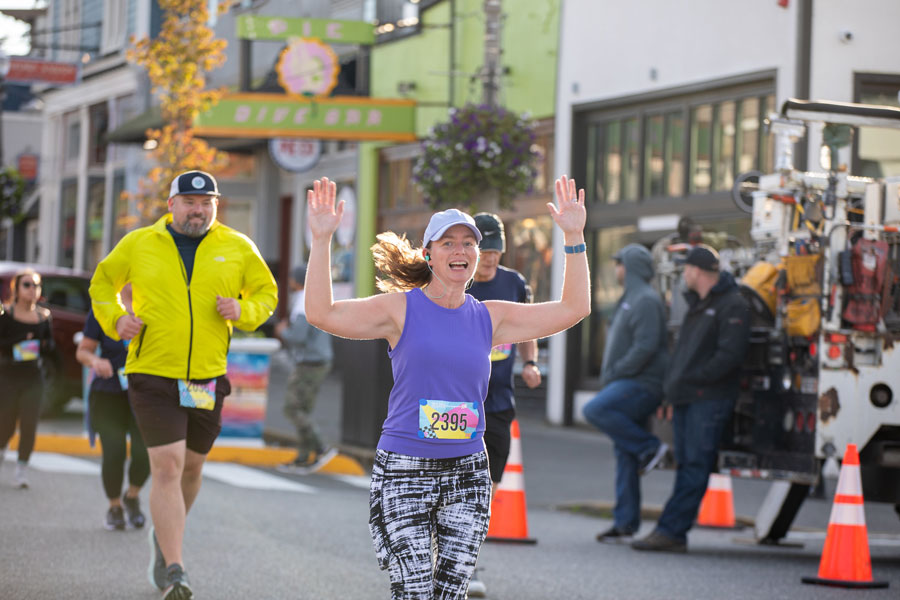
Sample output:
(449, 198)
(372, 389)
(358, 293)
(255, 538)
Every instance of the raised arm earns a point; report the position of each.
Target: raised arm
(515, 322)
(374, 317)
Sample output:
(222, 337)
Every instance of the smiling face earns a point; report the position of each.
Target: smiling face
(193, 214)
(454, 255)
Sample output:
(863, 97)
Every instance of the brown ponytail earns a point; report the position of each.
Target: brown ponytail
(402, 267)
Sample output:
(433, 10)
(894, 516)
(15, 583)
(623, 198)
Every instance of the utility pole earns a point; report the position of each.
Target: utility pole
(492, 69)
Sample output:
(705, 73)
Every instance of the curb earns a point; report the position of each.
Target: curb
(266, 456)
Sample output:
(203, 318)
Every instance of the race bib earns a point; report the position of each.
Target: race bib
(26, 350)
(441, 420)
(197, 395)
(501, 352)
(123, 378)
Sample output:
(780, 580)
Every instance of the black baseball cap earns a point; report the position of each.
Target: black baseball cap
(493, 236)
(703, 257)
(197, 183)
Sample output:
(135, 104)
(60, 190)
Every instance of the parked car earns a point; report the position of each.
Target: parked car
(65, 293)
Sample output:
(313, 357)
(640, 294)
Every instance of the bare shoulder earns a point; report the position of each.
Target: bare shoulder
(43, 313)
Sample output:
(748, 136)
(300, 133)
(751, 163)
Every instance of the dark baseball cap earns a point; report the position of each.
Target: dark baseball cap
(493, 236)
(194, 183)
(703, 257)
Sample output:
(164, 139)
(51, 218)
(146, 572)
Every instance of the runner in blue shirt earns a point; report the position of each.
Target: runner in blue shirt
(496, 282)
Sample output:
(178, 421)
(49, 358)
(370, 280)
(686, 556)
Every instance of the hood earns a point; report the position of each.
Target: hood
(638, 264)
(725, 283)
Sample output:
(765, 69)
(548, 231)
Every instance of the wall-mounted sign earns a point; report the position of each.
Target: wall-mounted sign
(30, 70)
(337, 118)
(308, 67)
(27, 165)
(336, 31)
(296, 155)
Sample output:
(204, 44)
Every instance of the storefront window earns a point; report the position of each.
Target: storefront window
(674, 154)
(529, 251)
(612, 172)
(701, 149)
(724, 145)
(748, 134)
(69, 207)
(878, 148)
(654, 159)
(98, 115)
(93, 252)
(124, 218)
(607, 290)
(237, 213)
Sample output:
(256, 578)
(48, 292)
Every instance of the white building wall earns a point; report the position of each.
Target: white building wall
(611, 50)
(874, 47)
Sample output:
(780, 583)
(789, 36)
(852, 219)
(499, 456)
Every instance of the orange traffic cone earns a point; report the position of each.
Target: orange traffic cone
(845, 558)
(717, 508)
(509, 522)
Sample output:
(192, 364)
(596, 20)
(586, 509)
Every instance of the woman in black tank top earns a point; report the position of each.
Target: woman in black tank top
(25, 337)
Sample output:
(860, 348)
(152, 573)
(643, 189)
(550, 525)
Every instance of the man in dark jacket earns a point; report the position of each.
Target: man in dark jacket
(634, 363)
(702, 385)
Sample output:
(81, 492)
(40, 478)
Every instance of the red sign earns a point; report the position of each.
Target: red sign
(29, 70)
(28, 166)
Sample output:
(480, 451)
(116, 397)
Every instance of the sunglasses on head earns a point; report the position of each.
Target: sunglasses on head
(30, 284)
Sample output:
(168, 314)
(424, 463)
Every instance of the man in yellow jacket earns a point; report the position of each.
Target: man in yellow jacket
(193, 280)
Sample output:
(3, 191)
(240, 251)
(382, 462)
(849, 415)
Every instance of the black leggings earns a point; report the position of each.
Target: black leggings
(20, 402)
(111, 417)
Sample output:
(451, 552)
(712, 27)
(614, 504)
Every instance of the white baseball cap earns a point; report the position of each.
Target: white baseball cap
(442, 221)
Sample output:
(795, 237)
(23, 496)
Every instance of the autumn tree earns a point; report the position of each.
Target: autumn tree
(177, 62)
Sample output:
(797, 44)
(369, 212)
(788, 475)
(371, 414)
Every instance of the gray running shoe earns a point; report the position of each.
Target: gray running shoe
(177, 585)
(156, 570)
(115, 518)
(133, 511)
(21, 476)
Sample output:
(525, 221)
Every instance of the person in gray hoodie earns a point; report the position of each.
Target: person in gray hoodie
(633, 370)
(310, 349)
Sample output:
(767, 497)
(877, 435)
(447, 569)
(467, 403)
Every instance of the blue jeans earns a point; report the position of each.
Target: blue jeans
(698, 430)
(620, 411)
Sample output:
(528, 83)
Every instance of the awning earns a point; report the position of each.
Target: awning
(133, 130)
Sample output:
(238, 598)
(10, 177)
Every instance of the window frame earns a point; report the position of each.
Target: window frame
(667, 102)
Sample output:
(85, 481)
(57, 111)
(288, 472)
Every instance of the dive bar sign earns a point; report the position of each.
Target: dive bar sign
(250, 27)
(29, 70)
(336, 118)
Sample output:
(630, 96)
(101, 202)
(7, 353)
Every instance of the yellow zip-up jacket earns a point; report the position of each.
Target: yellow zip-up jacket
(183, 336)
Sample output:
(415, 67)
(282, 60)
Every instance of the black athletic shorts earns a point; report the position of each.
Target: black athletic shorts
(162, 420)
(497, 440)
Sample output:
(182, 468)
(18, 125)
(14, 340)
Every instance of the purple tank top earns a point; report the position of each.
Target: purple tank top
(441, 366)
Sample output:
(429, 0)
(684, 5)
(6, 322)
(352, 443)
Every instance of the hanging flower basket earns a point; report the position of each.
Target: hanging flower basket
(481, 148)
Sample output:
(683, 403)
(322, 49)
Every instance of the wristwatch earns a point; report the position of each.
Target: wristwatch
(529, 363)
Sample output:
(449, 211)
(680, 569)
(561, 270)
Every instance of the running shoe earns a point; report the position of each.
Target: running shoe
(115, 518)
(313, 463)
(133, 511)
(156, 570)
(177, 585)
(21, 476)
(651, 460)
(477, 589)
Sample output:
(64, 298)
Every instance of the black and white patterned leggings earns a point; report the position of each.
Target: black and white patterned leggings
(428, 518)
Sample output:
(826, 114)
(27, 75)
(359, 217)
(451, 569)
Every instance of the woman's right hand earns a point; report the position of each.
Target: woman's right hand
(102, 367)
(323, 216)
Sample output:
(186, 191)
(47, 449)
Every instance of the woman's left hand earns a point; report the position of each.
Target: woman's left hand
(568, 212)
